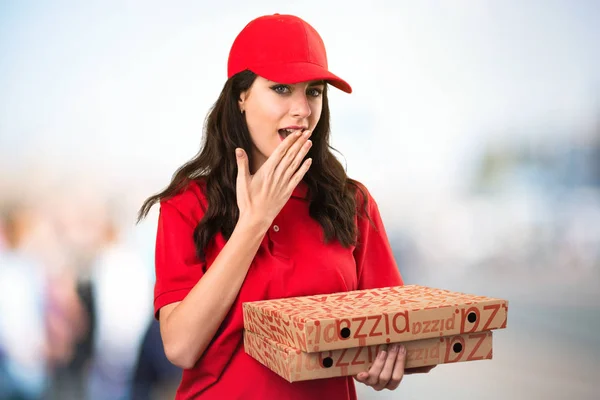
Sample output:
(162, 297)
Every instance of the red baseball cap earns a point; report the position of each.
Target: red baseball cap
(283, 49)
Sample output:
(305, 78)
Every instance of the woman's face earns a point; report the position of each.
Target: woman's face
(275, 110)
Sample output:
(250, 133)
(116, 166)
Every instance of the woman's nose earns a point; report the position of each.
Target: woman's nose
(300, 106)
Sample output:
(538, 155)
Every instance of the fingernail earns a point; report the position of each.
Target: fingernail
(238, 152)
(306, 133)
(402, 349)
(382, 354)
(394, 347)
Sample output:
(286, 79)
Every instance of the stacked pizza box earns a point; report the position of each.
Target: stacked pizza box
(324, 336)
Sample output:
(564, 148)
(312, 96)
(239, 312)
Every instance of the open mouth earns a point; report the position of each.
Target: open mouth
(283, 133)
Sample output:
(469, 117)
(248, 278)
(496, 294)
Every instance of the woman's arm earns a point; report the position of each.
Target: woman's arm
(187, 327)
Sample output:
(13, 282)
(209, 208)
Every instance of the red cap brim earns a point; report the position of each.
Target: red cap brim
(300, 72)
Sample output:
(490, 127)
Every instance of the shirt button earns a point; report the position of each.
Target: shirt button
(276, 228)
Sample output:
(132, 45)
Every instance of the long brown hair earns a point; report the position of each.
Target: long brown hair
(331, 194)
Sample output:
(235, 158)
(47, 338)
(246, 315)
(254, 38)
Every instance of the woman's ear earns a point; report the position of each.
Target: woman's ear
(242, 101)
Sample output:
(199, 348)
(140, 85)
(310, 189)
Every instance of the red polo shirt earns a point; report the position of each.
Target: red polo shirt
(292, 260)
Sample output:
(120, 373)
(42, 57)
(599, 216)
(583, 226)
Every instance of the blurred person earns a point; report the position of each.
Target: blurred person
(65, 316)
(120, 272)
(265, 211)
(23, 341)
(3, 243)
(155, 377)
(66, 320)
(80, 219)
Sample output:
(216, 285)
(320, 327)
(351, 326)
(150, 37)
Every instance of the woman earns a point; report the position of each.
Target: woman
(264, 211)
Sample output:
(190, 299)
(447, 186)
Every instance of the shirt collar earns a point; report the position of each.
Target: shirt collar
(300, 191)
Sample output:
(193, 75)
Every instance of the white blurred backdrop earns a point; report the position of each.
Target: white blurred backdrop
(475, 124)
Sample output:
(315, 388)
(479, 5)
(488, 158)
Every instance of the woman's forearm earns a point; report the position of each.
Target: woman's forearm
(188, 327)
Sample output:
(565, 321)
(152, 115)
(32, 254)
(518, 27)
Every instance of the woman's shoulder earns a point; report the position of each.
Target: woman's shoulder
(361, 193)
(189, 200)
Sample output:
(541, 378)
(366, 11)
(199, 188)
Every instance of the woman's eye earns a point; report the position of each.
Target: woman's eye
(314, 92)
(281, 89)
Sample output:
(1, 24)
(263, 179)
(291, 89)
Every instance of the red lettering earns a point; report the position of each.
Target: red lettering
(260, 317)
(387, 324)
(450, 323)
(434, 327)
(357, 334)
(329, 333)
(404, 316)
(301, 339)
(419, 354)
(339, 362)
(417, 327)
(355, 359)
(481, 337)
(298, 364)
(426, 326)
(410, 355)
(393, 290)
(339, 327)
(434, 352)
(494, 308)
(464, 315)
(450, 342)
(318, 334)
(405, 301)
(373, 352)
(313, 363)
(276, 362)
(258, 328)
(377, 319)
(288, 333)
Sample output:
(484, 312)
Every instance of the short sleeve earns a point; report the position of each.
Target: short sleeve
(376, 265)
(178, 268)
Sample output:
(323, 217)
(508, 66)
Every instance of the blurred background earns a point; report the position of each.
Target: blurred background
(475, 125)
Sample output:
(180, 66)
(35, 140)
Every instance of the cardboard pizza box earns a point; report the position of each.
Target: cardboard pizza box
(295, 365)
(376, 316)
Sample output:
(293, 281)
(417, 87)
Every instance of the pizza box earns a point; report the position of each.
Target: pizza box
(295, 365)
(375, 316)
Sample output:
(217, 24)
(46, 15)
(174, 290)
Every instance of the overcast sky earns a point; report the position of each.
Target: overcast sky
(82, 82)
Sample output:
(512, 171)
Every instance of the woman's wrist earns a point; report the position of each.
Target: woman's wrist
(253, 223)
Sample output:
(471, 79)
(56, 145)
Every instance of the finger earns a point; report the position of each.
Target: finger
(300, 154)
(282, 170)
(398, 372)
(282, 149)
(299, 175)
(288, 159)
(362, 377)
(388, 368)
(243, 173)
(242, 164)
(376, 368)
